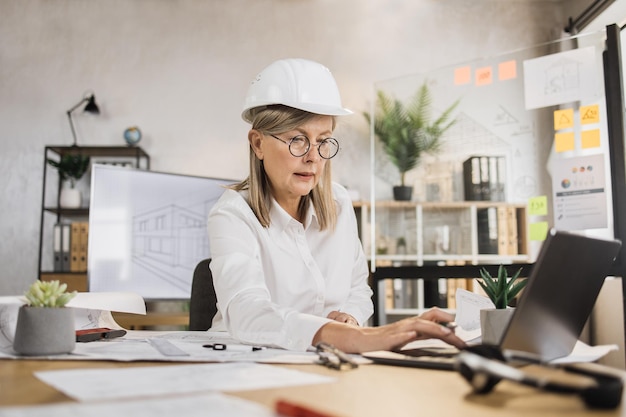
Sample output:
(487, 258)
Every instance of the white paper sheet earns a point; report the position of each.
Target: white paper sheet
(155, 381)
(202, 405)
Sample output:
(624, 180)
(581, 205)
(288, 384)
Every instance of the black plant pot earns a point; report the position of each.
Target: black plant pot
(402, 193)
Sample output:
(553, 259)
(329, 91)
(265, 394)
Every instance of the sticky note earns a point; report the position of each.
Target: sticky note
(563, 119)
(538, 206)
(590, 138)
(589, 114)
(462, 75)
(484, 76)
(507, 70)
(538, 231)
(564, 142)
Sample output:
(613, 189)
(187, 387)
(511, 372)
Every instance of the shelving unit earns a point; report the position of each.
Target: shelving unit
(52, 213)
(428, 241)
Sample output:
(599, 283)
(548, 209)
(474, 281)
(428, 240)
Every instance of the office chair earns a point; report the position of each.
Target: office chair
(203, 302)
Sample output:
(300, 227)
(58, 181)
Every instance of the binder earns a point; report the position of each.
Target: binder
(65, 247)
(84, 241)
(494, 192)
(398, 293)
(487, 224)
(56, 248)
(512, 231)
(471, 179)
(501, 187)
(74, 247)
(388, 294)
(503, 231)
(484, 179)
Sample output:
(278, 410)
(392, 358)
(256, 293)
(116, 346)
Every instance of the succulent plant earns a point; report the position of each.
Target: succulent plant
(502, 289)
(48, 294)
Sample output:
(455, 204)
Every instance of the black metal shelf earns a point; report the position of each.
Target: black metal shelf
(142, 161)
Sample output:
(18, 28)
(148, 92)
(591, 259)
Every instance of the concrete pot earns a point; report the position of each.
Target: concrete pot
(493, 323)
(42, 331)
(70, 198)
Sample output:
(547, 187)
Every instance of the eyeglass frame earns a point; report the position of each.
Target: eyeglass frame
(308, 148)
(342, 361)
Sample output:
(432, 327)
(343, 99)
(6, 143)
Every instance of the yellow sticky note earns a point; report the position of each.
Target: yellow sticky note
(564, 142)
(563, 119)
(462, 75)
(507, 70)
(484, 76)
(589, 114)
(538, 231)
(590, 138)
(538, 206)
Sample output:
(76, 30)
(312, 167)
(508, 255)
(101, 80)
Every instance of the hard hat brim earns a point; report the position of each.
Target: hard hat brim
(314, 108)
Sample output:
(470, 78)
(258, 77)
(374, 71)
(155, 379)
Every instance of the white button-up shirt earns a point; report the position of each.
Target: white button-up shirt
(276, 285)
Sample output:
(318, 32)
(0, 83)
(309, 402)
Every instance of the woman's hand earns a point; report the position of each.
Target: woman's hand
(342, 317)
(353, 339)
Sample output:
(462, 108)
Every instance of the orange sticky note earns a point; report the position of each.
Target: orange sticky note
(563, 119)
(564, 142)
(590, 138)
(507, 70)
(484, 76)
(589, 114)
(462, 75)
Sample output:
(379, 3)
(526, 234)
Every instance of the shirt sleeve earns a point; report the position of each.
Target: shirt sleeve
(243, 298)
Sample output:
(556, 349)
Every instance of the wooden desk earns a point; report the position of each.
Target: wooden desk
(370, 390)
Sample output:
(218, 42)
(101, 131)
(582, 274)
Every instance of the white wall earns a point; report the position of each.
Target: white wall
(179, 70)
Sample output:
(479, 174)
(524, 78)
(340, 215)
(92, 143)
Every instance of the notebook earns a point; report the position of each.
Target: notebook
(562, 289)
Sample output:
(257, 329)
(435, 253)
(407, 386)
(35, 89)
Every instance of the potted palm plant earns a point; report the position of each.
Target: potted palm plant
(71, 168)
(501, 290)
(407, 132)
(44, 325)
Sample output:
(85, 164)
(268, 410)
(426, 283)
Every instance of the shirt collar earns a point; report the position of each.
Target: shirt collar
(279, 217)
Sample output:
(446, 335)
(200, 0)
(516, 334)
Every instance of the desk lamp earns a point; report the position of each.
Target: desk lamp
(90, 107)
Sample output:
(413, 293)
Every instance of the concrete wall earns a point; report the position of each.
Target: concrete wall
(179, 70)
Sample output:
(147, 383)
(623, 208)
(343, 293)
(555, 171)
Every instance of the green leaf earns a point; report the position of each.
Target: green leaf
(406, 131)
(503, 289)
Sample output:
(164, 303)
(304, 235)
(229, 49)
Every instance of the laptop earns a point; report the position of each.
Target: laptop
(562, 289)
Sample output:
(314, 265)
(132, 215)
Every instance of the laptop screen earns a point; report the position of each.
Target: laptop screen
(559, 297)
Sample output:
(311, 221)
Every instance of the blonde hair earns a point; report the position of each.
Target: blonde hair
(276, 119)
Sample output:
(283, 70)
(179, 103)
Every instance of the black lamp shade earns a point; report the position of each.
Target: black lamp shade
(91, 106)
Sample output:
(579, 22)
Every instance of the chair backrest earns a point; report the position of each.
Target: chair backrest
(203, 302)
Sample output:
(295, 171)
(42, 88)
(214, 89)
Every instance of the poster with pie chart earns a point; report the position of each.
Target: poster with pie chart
(580, 200)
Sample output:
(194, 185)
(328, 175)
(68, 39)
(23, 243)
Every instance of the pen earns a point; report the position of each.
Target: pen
(237, 348)
(289, 409)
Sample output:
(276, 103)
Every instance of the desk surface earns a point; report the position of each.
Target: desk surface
(370, 390)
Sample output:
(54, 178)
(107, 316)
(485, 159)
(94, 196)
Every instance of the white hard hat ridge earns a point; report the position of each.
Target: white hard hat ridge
(298, 83)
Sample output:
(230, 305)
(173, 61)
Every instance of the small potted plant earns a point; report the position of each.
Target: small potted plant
(44, 325)
(407, 132)
(501, 290)
(71, 168)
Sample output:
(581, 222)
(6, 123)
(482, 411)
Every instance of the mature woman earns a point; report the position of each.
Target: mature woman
(288, 268)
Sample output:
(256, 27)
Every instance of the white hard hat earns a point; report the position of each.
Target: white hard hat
(298, 83)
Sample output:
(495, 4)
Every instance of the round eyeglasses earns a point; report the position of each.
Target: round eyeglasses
(300, 145)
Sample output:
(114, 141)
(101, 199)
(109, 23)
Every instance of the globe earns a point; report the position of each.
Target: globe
(132, 135)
